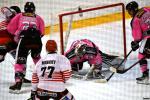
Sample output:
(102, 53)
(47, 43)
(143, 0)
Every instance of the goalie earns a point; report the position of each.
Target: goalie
(85, 50)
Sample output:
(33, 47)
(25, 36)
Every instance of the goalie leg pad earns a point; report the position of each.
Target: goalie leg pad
(77, 66)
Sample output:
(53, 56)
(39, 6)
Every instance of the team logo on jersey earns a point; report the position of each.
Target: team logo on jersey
(21, 60)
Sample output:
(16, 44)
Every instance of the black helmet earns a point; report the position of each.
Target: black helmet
(132, 6)
(29, 7)
(15, 8)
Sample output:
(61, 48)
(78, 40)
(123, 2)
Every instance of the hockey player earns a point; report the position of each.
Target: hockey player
(27, 28)
(7, 44)
(140, 25)
(6, 40)
(85, 50)
(50, 76)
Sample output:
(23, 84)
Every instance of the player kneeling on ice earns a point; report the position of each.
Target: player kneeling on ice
(141, 33)
(85, 50)
(50, 75)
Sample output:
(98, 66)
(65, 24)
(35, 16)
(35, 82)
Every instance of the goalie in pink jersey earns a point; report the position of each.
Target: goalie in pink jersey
(140, 25)
(50, 75)
(28, 29)
(85, 50)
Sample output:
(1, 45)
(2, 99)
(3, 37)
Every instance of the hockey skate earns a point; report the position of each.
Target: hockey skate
(144, 79)
(26, 82)
(15, 88)
(98, 75)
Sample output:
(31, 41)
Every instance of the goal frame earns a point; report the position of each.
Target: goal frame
(92, 9)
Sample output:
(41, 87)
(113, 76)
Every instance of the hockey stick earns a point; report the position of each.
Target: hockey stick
(107, 79)
(123, 71)
(89, 72)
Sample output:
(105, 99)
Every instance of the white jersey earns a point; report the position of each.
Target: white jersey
(51, 73)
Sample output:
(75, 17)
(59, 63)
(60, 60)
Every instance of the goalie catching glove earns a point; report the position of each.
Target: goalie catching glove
(134, 45)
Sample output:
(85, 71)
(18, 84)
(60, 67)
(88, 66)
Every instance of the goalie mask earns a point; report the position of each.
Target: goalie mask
(80, 49)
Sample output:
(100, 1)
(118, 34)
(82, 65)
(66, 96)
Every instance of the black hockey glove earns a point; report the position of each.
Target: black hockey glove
(134, 45)
(33, 95)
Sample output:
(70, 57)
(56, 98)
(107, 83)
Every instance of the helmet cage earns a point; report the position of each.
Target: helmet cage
(80, 49)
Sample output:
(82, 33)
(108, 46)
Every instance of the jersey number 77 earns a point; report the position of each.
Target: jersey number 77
(49, 70)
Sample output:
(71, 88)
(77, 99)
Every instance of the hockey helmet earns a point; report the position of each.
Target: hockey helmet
(29, 7)
(15, 9)
(80, 49)
(51, 46)
(132, 6)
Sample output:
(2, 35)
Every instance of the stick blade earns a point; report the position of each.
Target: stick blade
(101, 81)
(112, 69)
(121, 71)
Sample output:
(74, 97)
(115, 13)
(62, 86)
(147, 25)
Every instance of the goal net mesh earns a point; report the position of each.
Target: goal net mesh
(104, 25)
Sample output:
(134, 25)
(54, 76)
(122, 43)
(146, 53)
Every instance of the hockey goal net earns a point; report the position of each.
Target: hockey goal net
(104, 25)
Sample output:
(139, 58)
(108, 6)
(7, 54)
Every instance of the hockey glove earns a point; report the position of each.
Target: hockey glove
(134, 45)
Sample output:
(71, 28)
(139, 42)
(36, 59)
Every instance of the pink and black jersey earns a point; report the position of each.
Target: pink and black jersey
(91, 55)
(24, 21)
(141, 24)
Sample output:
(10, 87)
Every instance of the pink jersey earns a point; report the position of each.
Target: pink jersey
(92, 59)
(140, 24)
(51, 73)
(22, 22)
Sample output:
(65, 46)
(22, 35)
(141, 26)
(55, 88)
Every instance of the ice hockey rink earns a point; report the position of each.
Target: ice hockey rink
(120, 86)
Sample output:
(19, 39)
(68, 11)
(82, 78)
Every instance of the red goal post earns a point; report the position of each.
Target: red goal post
(61, 23)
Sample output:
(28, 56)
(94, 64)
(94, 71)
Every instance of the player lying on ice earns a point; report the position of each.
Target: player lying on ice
(7, 44)
(85, 50)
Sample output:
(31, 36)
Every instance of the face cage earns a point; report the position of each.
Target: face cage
(81, 50)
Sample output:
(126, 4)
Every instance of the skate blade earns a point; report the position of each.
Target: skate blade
(146, 98)
(26, 84)
(14, 91)
(144, 83)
